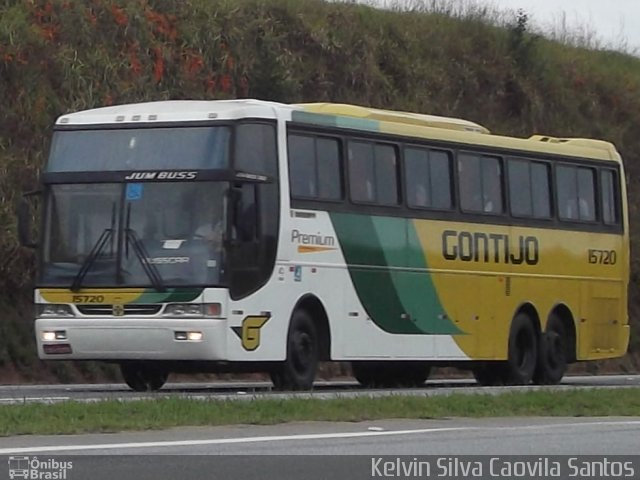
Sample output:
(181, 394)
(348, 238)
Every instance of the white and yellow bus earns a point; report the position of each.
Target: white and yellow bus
(245, 235)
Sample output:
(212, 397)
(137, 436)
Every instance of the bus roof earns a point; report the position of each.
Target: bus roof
(449, 130)
(418, 119)
(407, 124)
(173, 111)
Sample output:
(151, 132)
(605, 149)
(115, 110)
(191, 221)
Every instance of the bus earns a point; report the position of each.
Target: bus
(253, 236)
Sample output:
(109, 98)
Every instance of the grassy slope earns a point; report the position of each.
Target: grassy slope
(60, 56)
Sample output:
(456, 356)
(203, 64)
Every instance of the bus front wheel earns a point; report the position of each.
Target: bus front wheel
(298, 371)
(143, 377)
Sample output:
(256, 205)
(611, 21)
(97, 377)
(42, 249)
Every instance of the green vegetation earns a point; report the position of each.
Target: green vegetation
(112, 416)
(59, 56)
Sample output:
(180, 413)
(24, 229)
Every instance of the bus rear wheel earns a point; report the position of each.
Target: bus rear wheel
(143, 377)
(552, 359)
(523, 351)
(298, 371)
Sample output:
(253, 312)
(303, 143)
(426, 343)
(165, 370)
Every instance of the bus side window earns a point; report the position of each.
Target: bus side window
(575, 189)
(302, 166)
(470, 187)
(480, 183)
(567, 192)
(329, 169)
(540, 190)
(314, 167)
(440, 179)
(386, 167)
(373, 173)
(529, 189)
(586, 194)
(428, 178)
(491, 185)
(361, 172)
(609, 195)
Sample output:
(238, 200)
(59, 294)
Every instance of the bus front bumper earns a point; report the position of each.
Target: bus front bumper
(131, 339)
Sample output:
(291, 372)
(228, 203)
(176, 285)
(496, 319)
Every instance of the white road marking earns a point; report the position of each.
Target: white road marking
(218, 441)
(277, 438)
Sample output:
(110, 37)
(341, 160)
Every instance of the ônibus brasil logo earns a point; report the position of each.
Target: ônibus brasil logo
(35, 469)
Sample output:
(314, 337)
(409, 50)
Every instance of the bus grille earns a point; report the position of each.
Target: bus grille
(125, 310)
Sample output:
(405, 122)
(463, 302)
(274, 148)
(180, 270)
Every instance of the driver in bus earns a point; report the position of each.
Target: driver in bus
(209, 232)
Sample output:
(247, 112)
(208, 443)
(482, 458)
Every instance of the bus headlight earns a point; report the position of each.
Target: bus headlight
(54, 310)
(50, 336)
(193, 310)
(194, 336)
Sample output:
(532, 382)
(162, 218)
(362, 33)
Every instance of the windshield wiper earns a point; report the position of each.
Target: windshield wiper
(138, 247)
(105, 236)
(142, 254)
(96, 250)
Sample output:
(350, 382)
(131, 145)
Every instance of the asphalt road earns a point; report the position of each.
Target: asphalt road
(449, 448)
(344, 450)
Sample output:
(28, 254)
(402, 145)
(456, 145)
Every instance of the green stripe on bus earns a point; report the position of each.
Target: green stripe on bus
(389, 273)
(175, 295)
(371, 279)
(419, 295)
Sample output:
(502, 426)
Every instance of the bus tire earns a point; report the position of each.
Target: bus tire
(143, 377)
(523, 351)
(552, 357)
(298, 371)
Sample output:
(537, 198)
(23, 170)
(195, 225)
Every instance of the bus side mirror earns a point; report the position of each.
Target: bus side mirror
(25, 226)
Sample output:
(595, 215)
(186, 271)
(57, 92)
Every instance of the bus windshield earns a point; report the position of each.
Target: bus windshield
(196, 148)
(135, 234)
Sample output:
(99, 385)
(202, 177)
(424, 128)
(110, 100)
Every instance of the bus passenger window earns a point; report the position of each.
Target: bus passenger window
(480, 183)
(470, 187)
(302, 166)
(440, 178)
(491, 185)
(373, 173)
(329, 170)
(428, 178)
(586, 194)
(314, 167)
(417, 176)
(529, 189)
(576, 193)
(386, 175)
(609, 195)
(361, 173)
(540, 192)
